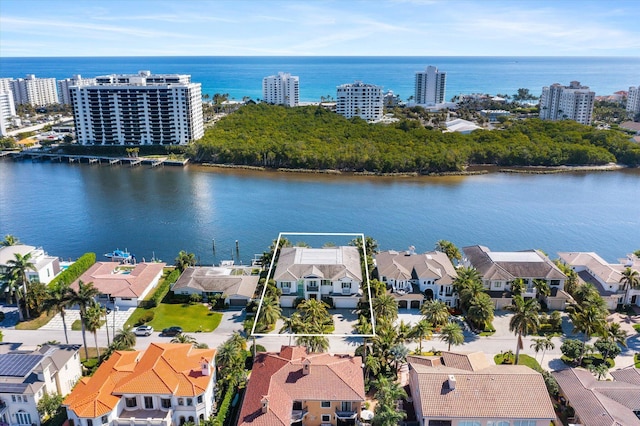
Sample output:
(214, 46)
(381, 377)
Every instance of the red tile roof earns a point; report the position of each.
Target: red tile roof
(167, 368)
(133, 284)
(279, 378)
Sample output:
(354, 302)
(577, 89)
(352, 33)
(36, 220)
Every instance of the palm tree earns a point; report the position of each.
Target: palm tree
(525, 319)
(83, 297)
(388, 394)
(93, 321)
(472, 291)
(269, 312)
(542, 345)
(630, 279)
(9, 240)
(399, 353)
(36, 297)
(58, 301)
(480, 311)
(613, 333)
(452, 335)
(14, 288)
(124, 339)
(183, 338)
(315, 311)
(17, 268)
(542, 287)
(184, 260)
(435, 312)
(450, 249)
(385, 308)
(517, 287)
(589, 320)
(422, 330)
(466, 276)
(314, 344)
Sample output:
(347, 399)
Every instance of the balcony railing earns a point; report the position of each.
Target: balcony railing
(343, 415)
(297, 415)
(313, 288)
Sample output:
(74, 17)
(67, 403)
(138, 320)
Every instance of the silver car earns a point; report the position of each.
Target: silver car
(143, 330)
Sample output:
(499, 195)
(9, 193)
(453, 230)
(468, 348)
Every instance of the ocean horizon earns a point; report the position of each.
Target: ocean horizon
(241, 76)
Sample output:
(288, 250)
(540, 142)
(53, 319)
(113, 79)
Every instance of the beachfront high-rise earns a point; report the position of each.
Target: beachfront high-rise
(34, 91)
(281, 89)
(430, 86)
(573, 102)
(64, 85)
(633, 101)
(7, 110)
(360, 100)
(133, 109)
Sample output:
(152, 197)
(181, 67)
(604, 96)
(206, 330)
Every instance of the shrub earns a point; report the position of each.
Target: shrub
(75, 270)
(224, 407)
(145, 318)
(195, 298)
(572, 348)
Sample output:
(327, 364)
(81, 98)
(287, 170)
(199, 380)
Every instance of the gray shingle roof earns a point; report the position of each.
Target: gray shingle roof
(507, 266)
(212, 279)
(332, 263)
(433, 265)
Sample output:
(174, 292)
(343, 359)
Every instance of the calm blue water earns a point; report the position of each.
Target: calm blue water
(319, 76)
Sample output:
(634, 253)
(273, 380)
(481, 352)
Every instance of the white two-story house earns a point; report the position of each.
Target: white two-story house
(331, 273)
(26, 375)
(414, 278)
(499, 269)
(45, 267)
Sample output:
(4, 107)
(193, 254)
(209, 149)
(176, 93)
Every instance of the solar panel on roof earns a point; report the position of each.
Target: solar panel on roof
(18, 365)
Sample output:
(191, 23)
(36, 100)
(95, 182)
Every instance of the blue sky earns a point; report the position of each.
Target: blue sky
(340, 27)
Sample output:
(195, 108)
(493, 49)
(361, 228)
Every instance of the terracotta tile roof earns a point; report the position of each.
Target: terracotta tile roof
(470, 361)
(496, 392)
(601, 403)
(168, 368)
(433, 265)
(279, 377)
(102, 275)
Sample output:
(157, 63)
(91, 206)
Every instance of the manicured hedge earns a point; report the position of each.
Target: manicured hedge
(224, 407)
(75, 270)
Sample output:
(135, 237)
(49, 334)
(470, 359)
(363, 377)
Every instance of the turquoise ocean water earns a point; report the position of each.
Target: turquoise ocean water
(319, 76)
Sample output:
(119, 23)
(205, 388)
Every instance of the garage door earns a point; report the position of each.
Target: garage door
(345, 302)
(238, 302)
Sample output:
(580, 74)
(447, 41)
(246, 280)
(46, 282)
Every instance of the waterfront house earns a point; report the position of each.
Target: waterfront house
(46, 267)
(414, 278)
(463, 389)
(295, 388)
(331, 273)
(166, 384)
(210, 281)
(26, 375)
(601, 403)
(499, 269)
(604, 276)
(125, 285)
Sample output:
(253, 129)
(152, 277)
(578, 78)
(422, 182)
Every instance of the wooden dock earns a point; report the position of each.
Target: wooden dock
(94, 159)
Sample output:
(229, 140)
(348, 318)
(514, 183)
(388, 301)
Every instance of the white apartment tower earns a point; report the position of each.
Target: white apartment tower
(281, 89)
(5, 84)
(573, 102)
(633, 101)
(133, 109)
(7, 110)
(360, 100)
(430, 86)
(76, 80)
(34, 91)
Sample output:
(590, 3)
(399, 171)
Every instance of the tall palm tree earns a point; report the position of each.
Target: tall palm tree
(542, 287)
(518, 287)
(36, 297)
(83, 297)
(388, 394)
(630, 279)
(435, 312)
(13, 288)
(543, 345)
(58, 301)
(124, 339)
(93, 321)
(314, 344)
(385, 308)
(422, 330)
(315, 312)
(525, 319)
(18, 268)
(452, 335)
(465, 276)
(270, 311)
(404, 332)
(589, 321)
(472, 291)
(183, 338)
(184, 260)
(450, 249)
(9, 240)
(480, 311)
(613, 333)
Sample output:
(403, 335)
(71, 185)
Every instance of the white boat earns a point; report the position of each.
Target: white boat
(120, 256)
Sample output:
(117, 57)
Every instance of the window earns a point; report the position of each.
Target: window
(165, 403)
(105, 420)
(189, 401)
(345, 406)
(555, 282)
(469, 423)
(346, 285)
(180, 401)
(148, 402)
(23, 418)
(326, 417)
(286, 284)
(497, 284)
(89, 422)
(498, 423)
(524, 423)
(130, 402)
(199, 399)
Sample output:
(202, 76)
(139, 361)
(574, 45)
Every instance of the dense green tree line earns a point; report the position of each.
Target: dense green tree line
(315, 138)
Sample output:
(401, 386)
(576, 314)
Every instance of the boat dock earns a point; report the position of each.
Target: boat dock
(94, 159)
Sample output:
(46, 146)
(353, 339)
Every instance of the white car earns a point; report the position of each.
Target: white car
(143, 330)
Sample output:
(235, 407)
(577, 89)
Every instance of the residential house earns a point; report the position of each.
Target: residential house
(166, 384)
(461, 126)
(331, 273)
(125, 285)
(601, 403)
(26, 375)
(414, 278)
(46, 267)
(295, 388)
(210, 281)
(499, 269)
(463, 389)
(606, 277)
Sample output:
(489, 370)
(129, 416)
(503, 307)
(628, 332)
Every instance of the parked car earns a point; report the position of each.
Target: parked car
(172, 331)
(143, 330)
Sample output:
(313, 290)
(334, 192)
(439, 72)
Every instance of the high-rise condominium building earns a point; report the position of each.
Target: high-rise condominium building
(281, 89)
(34, 91)
(360, 100)
(64, 85)
(141, 108)
(430, 86)
(633, 101)
(5, 84)
(7, 110)
(573, 102)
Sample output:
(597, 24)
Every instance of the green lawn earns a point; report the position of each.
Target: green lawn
(524, 359)
(637, 360)
(191, 318)
(636, 327)
(35, 323)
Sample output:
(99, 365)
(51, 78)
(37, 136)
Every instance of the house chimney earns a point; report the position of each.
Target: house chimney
(204, 366)
(306, 366)
(265, 403)
(452, 382)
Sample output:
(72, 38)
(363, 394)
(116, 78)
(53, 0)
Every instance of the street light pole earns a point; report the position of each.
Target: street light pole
(115, 310)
